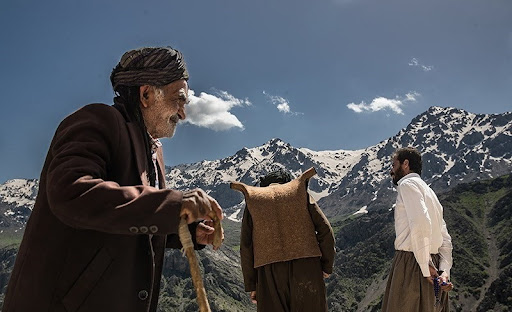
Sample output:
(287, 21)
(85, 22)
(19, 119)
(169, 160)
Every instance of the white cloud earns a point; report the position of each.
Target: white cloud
(415, 63)
(283, 107)
(382, 103)
(412, 96)
(281, 103)
(213, 111)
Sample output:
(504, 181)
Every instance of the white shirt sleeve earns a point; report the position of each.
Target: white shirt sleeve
(445, 251)
(419, 224)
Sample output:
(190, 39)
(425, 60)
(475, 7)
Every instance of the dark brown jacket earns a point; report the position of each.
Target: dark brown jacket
(96, 237)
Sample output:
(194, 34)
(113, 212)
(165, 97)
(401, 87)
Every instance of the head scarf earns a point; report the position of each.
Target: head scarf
(149, 66)
(280, 176)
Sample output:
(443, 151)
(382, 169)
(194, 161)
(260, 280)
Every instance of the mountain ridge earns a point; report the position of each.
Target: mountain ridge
(354, 190)
(457, 146)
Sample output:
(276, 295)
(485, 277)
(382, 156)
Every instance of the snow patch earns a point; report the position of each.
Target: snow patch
(362, 210)
(233, 216)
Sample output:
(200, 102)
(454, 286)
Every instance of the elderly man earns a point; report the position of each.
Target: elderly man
(102, 219)
(423, 246)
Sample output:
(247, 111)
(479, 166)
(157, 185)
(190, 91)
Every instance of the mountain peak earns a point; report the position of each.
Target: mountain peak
(437, 116)
(276, 141)
(436, 110)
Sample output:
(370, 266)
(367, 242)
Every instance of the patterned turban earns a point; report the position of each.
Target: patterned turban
(149, 66)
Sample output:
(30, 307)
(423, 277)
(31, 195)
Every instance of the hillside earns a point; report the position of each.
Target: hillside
(479, 219)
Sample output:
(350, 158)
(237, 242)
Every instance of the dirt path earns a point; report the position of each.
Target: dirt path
(374, 291)
(493, 251)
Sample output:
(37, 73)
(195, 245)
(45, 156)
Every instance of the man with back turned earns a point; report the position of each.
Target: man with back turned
(286, 245)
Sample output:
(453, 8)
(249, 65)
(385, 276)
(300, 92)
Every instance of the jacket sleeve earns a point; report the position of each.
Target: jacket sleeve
(324, 235)
(247, 253)
(79, 193)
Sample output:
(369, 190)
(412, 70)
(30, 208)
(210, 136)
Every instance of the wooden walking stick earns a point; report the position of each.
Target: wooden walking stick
(195, 272)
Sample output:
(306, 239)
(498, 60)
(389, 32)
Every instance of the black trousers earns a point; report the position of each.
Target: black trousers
(291, 286)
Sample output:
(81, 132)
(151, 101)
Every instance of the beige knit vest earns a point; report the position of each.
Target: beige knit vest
(282, 226)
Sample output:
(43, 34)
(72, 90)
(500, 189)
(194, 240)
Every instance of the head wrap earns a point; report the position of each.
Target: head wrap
(149, 66)
(280, 176)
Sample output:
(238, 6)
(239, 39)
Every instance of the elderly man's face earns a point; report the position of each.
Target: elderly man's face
(164, 107)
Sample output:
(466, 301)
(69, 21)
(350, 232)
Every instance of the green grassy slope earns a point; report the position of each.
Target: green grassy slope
(479, 218)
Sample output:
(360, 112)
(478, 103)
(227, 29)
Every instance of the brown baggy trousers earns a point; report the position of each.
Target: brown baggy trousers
(291, 286)
(407, 290)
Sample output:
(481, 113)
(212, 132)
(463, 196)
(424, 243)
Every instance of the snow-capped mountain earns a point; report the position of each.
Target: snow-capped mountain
(248, 164)
(17, 198)
(457, 146)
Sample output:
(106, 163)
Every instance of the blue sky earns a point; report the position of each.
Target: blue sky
(323, 74)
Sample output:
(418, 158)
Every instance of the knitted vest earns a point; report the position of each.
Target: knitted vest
(282, 226)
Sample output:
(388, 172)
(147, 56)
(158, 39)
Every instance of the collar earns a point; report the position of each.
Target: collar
(410, 175)
(155, 144)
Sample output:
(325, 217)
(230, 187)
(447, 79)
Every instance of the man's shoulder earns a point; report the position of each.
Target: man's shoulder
(95, 111)
(97, 107)
(94, 115)
(411, 178)
(411, 181)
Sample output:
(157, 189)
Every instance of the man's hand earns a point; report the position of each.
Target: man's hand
(326, 275)
(433, 274)
(253, 297)
(197, 205)
(448, 287)
(444, 278)
(204, 233)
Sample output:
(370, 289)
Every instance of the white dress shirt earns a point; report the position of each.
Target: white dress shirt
(419, 224)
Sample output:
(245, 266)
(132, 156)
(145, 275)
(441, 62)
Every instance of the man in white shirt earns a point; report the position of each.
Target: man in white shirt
(423, 246)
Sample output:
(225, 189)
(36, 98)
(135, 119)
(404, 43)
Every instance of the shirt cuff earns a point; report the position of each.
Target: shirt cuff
(447, 271)
(425, 271)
